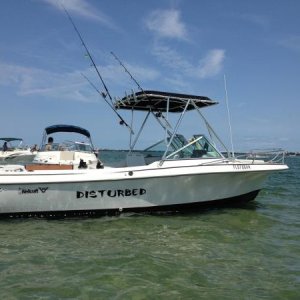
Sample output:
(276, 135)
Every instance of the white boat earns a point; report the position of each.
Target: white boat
(12, 150)
(66, 154)
(185, 176)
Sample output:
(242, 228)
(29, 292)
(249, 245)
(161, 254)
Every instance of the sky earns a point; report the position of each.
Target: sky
(167, 45)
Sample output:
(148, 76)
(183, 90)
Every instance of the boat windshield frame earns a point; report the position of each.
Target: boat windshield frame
(160, 104)
(14, 143)
(63, 128)
(198, 146)
(195, 149)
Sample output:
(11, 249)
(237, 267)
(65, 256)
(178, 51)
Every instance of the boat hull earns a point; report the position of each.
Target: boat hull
(90, 194)
(161, 209)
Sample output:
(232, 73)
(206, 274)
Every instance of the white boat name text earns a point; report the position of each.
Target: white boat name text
(33, 191)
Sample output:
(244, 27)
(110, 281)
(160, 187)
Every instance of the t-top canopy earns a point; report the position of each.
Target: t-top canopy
(158, 101)
(67, 128)
(10, 139)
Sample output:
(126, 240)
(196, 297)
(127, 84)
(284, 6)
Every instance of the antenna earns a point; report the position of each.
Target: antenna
(229, 119)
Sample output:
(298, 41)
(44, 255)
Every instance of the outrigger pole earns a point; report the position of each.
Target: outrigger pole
(122, 121)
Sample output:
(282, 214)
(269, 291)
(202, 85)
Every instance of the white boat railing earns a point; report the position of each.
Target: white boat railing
(267, 155)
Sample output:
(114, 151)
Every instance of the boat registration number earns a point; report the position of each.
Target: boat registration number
(242, 167)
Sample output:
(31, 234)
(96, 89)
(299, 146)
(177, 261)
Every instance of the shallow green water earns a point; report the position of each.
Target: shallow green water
(234, 253)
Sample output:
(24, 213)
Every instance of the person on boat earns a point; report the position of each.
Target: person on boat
(5, 147)
(48, 147)
(34, 148)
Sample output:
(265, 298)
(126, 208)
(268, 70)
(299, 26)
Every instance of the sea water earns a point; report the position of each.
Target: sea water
(251, 252)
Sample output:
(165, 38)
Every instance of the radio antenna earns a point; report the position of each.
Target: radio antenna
(229, 118)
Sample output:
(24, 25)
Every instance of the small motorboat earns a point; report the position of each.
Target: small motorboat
(66, 154)
(13, 151)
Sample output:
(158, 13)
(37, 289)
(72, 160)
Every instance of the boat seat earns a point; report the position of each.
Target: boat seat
(198, 153)
(135, 159)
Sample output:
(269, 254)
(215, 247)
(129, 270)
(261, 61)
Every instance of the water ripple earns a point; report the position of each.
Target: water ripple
(250, 252)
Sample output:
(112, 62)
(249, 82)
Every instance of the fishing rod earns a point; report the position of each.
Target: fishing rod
(126, 70)
(122, 121)
(157, 115)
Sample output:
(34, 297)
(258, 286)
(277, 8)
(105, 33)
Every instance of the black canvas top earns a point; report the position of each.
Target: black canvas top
(10, 139)
(67, 128)
(158, 101)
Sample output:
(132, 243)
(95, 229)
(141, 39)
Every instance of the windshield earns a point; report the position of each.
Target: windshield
(197, 147)
(70, 146)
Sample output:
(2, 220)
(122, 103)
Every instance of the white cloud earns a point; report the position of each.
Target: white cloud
(211, 64)
(208, 66)
(170, 57)
(117, 74)
(178, 83)
(291, 42)
(256, 19)
(34, 81)
(71, 86)
(167, 24)
(82, 8)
